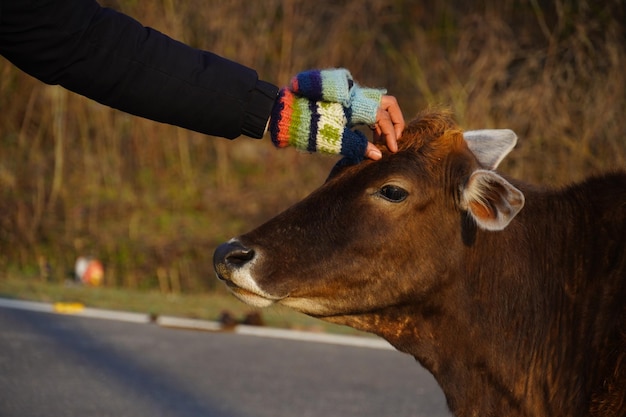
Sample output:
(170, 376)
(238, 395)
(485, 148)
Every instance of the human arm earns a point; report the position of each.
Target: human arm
(113, 59)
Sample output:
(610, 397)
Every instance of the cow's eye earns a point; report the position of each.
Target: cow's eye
(393, 193)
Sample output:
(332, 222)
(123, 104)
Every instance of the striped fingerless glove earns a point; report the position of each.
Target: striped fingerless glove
(318, 110)
(314, 126)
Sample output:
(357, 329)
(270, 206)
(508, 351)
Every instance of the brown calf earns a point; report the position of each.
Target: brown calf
(514, 297)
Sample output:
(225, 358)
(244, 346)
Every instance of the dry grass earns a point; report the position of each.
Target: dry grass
(152, 201)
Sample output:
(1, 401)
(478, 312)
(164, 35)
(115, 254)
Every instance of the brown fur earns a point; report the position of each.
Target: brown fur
(526, 321)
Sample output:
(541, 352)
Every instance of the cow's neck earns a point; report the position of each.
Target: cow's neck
(471, 374)
(483, 350)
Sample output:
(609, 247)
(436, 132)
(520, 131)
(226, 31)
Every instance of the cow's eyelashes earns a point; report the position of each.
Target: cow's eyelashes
(393, 193)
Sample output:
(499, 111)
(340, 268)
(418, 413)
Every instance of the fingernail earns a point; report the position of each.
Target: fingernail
(374, 154)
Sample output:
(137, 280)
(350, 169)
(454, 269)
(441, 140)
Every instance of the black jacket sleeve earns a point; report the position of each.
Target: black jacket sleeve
(113, 59)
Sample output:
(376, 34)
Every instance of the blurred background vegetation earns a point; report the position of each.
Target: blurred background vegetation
(152, 201)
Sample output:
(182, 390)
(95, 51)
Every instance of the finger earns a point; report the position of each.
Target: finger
(384, 127)
(390, 105)
(372, 152)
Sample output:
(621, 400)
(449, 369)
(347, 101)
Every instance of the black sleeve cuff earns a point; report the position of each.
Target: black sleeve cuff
(258, 111)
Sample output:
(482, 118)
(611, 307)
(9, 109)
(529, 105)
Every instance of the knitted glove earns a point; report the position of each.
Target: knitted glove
(364, 104)
(324, 85)
(337, 85)
(314, 126)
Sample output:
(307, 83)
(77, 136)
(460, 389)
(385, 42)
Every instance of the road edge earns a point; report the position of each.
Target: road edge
(79, 310)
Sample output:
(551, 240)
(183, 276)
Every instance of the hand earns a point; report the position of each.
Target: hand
(339, 105)
(389, 126)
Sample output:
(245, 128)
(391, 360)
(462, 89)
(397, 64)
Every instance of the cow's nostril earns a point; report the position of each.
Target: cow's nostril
(232, 254)
(239, 257)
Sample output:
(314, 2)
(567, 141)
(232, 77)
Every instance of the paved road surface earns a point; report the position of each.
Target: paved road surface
(56, 365)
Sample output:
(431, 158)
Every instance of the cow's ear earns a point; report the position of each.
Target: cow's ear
(491, 200)
(490, 146)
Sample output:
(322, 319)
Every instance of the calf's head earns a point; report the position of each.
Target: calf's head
(380, 234)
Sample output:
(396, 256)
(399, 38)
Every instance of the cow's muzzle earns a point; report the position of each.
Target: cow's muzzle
(233, 264)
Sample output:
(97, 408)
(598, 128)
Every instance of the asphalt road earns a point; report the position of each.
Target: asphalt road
(58, 365)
